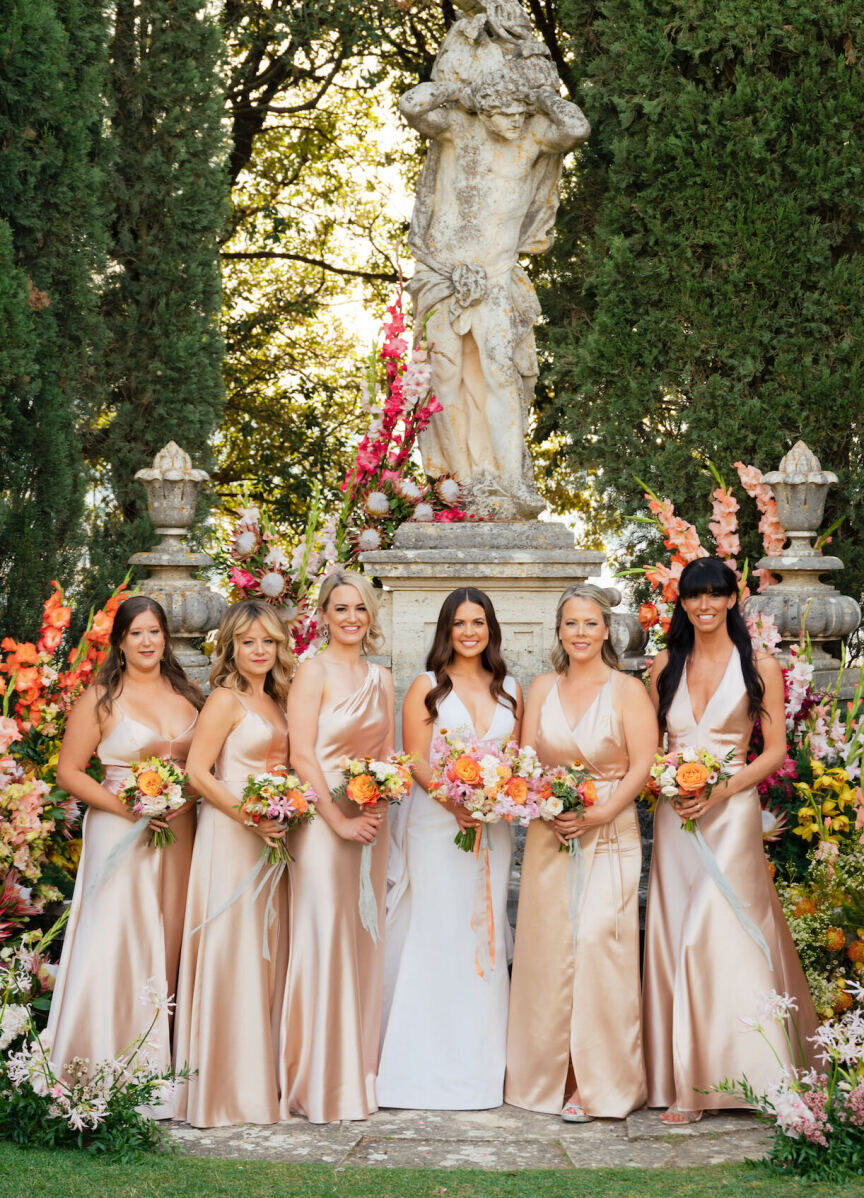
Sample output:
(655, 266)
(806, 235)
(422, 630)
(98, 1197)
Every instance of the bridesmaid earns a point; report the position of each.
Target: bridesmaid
(574, 1042)
(228, 989)
(141, 705)
(431, 979)
(340, 705)
(703, 972)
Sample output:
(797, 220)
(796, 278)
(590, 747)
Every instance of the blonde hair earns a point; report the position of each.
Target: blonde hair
(374, 638)
(584, 590)
(235, 623)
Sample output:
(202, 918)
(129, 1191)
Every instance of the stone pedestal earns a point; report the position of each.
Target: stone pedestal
(522, 565)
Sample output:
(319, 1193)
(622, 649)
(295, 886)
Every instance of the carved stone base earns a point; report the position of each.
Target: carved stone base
(522, 565)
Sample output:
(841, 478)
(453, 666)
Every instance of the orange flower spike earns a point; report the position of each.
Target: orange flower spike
(27, 679)
(100, 630)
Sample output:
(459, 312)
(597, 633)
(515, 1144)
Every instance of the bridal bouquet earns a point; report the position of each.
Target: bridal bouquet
(571, 788)
(154, 787)
(687, 772)
(279, 796)
(491, 781)
(368, 781)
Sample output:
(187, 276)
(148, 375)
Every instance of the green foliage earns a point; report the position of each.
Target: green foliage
(704, 298)
(51, 248)
(161, 302)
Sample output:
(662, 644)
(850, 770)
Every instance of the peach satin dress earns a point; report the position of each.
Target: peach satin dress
(130, 929)
(584, 1006)
(228, 990)
(331, 1016)
(703, 972)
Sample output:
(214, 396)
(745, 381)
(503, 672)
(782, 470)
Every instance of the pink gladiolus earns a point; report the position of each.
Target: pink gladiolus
(9, 732)
(773, 533)
(241, 579)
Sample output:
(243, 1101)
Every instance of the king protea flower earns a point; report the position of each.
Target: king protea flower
(774, 824)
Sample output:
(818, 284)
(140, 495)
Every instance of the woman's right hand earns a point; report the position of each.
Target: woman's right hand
(362, 828)
(463, 818)
(270, 831)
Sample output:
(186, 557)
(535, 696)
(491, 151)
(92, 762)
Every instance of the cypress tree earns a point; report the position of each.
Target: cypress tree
(168, 188)
(50, 251)
(704, 298)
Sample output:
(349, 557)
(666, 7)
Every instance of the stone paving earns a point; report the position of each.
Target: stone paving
(506, 1138)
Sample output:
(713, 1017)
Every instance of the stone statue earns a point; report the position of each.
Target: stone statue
(487, 193)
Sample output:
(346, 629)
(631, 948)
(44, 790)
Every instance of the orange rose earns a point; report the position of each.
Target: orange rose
(691, 776)
(517, 790)
(299, 800)
(363, 790)
(467, 770)
(149, 783)
(589, 792)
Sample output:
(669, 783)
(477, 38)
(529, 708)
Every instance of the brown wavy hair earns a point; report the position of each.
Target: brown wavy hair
(109, 680)
(441, 654)
(584, 590)
(235, 622)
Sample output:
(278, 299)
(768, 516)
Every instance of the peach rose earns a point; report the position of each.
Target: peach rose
(363, 790)
(691, 776)
(149, 783)
(517, 790)
(299, 802)
(466, 769)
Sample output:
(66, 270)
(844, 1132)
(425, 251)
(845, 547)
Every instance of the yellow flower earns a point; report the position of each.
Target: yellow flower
(806, 833)
(817, 767)
(840, 823)
(806, 813)
(829, 807)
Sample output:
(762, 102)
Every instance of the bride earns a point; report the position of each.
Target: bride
(445, 1026)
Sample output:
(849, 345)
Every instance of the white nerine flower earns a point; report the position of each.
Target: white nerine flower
(250, 516)
(245, 544)
(276, 559)
(377, 504)
(154, 993)
(13, 1023)
(424, 512)
(272, 584)
(369, 540)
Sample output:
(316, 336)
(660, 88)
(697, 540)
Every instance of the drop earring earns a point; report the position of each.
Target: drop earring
(122, 656)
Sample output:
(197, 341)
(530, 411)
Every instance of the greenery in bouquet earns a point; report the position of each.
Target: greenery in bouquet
(382, 489)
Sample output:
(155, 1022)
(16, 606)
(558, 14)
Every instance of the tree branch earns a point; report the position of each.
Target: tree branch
(389, 277)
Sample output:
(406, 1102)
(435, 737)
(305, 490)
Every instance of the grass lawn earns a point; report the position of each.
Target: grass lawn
(26, 1173)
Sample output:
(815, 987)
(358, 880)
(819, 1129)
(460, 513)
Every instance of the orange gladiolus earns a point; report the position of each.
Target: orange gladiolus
(100, 629)
(58, 617)
(648, 615)
(51, 637)
(691, 776)
(27, 679)
(467, 770)
(363, 790)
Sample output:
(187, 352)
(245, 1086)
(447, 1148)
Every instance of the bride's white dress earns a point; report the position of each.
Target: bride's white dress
(444, 1037)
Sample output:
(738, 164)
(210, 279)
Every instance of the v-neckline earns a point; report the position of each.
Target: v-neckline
(141, 724)
(714, 693)
(464, 706)
(572, 727)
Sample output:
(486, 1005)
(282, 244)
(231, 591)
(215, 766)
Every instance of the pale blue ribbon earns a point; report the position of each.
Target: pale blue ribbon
(710, 862)
(120, 850)
(368, 904)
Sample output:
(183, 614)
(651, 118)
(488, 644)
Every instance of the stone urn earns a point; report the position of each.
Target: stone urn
(802, 603)
(172, 485)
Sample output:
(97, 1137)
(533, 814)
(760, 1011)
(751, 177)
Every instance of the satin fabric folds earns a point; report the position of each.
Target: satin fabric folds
(228, 990)
(704, 973)
(580, 1006)
(127, 930)
(331, 1015)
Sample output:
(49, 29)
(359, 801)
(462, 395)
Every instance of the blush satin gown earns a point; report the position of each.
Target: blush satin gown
(129, 930)
(584, 1006)
(704, 973)
(228, 990)
(331, 1014)
(445, 1027)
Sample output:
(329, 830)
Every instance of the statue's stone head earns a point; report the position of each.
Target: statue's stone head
(501, 103)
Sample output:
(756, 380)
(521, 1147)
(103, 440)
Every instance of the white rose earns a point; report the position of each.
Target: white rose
(272, 584)
(424, 512)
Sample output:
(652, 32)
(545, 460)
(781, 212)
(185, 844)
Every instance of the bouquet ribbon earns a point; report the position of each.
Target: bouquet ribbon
(482, 913)
(710, 863)
(121, 849)
(575, 882)
(271, 875)
(368, 904)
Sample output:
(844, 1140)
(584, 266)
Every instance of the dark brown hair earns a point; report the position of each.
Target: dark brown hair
(109, 680)
(441, 653)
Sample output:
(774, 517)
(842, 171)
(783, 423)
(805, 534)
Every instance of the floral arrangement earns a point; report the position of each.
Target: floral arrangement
(382, 489)
(817, 1114)
(39, 682)
(571, 788)
(685, 773)
(491, 781)
(281, 797)
(154, 787)
(76, 1104)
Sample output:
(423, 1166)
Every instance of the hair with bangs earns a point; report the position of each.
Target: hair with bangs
(706, 576)
(235, 623)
